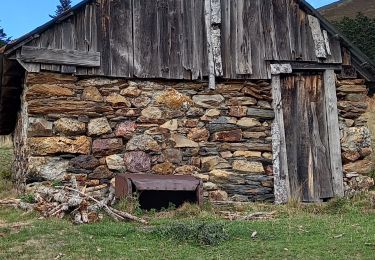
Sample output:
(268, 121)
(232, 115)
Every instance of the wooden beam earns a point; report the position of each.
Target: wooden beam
(326, 41)
(333, 132)
(315, 66)
(280, 160)
(60, 57)
(320, 48)
(29, 67)
(277, 69)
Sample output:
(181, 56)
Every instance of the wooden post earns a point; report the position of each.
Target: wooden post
(280, 160)
(211, 65)
(212, 13)
(333, 132)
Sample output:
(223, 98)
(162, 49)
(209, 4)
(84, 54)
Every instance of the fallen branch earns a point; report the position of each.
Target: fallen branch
(114, 213)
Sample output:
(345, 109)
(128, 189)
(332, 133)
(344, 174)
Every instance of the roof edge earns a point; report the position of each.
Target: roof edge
(364, 60)
(10, 47)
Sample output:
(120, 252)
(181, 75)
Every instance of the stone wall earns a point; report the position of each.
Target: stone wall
(355, 134)
(96, 128)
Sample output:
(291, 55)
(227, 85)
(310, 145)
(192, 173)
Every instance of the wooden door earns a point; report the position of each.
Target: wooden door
(306, 136)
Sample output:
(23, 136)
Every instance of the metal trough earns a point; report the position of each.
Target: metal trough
(158, 191)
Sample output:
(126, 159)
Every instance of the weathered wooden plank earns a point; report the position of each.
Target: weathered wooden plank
(335, 46)
(146, 44)
(81, 44)
(290, 117)
(121, 43)
(94, 42)
(68, 42)
(176, 70)
(199, 44)
(215, 12)
(216, 51)
(321, 145)
(280, 160)
(308, 66)
(320, 48)
(333, 132)
(188, 37)
(281, 24)
(256, 36)
(327, 42)
(28, 66)
(216, 36)
(64, 57)
(243, 48)
(228, 39)
(269, 30)
(211, 64)
(277, 69)
(164, 37)
(47, 40)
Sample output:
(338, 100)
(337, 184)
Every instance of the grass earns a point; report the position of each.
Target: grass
(340, 229)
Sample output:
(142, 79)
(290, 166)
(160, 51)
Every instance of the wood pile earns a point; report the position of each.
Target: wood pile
(60, 201)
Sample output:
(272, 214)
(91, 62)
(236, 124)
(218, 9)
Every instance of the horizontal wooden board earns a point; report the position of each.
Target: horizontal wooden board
(60, 56)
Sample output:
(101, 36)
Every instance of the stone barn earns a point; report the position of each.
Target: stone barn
(259, 100)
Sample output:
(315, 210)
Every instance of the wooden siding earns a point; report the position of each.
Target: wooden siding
(168, 39)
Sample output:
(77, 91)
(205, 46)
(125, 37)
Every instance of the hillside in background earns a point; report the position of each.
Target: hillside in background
(349, 8)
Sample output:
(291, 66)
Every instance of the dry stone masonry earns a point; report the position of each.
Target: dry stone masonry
(96, 128)
(355, 135)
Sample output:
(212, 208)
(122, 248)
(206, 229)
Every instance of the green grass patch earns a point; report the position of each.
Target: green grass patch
(340, 229)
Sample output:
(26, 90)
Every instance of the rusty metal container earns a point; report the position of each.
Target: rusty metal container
(159, 191)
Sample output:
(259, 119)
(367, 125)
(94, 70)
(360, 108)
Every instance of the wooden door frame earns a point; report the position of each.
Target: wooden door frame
(280, 160)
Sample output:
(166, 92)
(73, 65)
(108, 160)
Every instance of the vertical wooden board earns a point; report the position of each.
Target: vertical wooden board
(281, 24)
(318, 39)
(216, 50)
(81, 45)
(68, 42)
(188, 37)
(321, 144)
(256, 36)
(216, 21)
(121, 42)
(106, 36)
(175, 17)
(47, 40)
(243, 48)
(335, 45)
(295, 30)
(291, 27)
(34, 67)
(145, 39)
(289, 109)
(333, 132)
(268, 30)
(310, 43)
(305, 168)
(164, 37)
(199, 44)
(225, 38)
(209, 44)
(94, 47)
(98, 34)
(280, 157)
